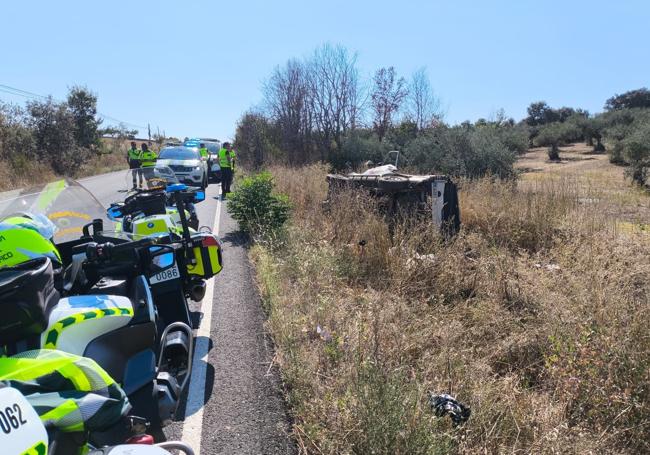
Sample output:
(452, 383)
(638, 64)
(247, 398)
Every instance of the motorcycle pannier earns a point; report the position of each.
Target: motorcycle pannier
(207, 252)
(27, 295)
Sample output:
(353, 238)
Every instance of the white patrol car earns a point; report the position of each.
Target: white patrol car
(187, 164)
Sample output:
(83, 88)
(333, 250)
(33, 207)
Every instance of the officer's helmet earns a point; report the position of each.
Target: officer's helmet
(24, 237)
(28, 281)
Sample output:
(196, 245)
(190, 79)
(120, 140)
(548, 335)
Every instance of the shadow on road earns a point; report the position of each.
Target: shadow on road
(195, 318)
(234, 239)
(186, 409)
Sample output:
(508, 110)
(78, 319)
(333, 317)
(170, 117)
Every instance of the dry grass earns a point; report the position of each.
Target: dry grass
(535, 315)
(21, 174)
(106, 162)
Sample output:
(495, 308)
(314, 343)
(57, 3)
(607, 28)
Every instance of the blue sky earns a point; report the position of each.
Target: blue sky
(191, 68)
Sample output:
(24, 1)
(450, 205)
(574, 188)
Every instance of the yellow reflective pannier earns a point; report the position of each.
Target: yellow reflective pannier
(207, 252)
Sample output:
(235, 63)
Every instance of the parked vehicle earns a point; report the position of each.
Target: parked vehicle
(432, 196)
(158, 209)
(97, 302)
(186, 163)
(152, 180)
(213, 146)
(23, 432)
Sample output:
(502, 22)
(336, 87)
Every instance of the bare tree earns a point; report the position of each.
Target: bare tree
(314, 102)
(334, 95)
(254, 138)
(387, 96)
(424, 107)
(287, 100)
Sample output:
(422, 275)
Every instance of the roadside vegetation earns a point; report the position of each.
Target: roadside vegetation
(319, 109)
(535, 314)
(45, 139)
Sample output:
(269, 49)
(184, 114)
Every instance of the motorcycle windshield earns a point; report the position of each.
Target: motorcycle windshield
(149, 178)
(65, 202)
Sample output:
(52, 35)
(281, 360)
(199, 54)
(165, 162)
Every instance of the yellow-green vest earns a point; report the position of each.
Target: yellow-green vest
(147, 158)
(133, 154)
(226, 159)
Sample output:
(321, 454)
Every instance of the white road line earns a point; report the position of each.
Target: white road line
(193, 424)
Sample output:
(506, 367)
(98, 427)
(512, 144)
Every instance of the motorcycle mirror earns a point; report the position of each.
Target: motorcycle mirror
(199, 196)
(162, 258)
(114, 213)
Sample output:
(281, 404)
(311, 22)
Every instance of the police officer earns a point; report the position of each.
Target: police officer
(147, 157)
(204, 151)
(132, 156)
(227, 163)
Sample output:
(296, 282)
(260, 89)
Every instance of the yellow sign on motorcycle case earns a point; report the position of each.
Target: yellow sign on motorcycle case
(207, 252)
(159, 224)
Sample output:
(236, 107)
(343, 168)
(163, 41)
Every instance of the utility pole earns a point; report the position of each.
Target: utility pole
(149, 130)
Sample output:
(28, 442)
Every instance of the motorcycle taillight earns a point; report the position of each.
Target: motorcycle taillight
(142, 439)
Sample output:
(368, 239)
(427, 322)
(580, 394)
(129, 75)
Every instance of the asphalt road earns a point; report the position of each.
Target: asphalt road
(235, 404)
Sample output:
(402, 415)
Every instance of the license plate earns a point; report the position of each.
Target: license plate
(165, 275)
(20, 427)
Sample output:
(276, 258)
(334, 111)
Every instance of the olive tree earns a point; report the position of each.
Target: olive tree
(82, 104)
(637, 154)
(553, 136)
(54, 129)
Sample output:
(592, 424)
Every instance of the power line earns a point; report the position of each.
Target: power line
(25, 94)
(20, 92)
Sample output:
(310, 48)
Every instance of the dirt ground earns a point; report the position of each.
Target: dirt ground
(593, 179)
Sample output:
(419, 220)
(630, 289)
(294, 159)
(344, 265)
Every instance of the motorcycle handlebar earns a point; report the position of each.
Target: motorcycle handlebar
(108, 251)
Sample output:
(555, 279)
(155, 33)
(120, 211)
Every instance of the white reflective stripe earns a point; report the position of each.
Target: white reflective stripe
(193, 424)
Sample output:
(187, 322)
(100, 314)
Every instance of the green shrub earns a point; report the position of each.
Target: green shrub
(466, 151)
(258, 210)
(391, 416)
(358, 147)
(636, 151)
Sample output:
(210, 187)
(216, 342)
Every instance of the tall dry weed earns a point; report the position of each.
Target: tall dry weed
(535, 315)
(24, 174)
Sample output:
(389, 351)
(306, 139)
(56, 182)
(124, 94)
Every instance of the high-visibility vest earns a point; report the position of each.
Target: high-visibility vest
(147, 158)
(225, 158)
(204, 152)
(133, 154)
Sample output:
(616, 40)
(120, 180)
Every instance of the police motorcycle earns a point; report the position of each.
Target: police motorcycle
(150, 179)
(89, 294)
(25, 433)
(162, 209)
